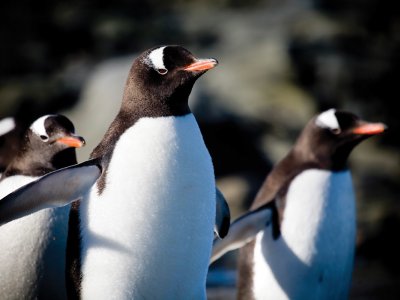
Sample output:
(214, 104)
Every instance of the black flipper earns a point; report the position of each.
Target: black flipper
(55, 189)
(222, 216)
(243, 230)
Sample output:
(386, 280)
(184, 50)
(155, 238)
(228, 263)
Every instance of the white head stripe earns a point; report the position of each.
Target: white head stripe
(328, 119)
(38, 126)
(156, 58)
(6, 125)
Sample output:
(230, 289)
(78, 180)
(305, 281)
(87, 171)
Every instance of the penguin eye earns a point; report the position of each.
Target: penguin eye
(336, 131)
(44, 138)
(162, 71)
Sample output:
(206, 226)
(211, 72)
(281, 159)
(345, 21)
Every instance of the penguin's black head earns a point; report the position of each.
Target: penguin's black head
(52, 138)
(330, 137)
(47, 145)
(54, 131)
(161, 79)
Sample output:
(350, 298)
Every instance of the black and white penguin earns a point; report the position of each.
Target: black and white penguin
(145, 228)
(32, 249)
(298, 238)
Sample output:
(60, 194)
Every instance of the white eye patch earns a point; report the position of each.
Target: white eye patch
(38, 127)
(156, 60)
(6, 125)
(328, 119)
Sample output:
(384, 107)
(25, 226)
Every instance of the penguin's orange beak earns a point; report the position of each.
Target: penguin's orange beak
(72, 141)
(369, 128)
(202, 64)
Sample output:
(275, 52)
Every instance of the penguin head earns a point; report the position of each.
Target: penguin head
(47, 145)
(163, 77)
(330, 137)
(51, 139)
(54, 131)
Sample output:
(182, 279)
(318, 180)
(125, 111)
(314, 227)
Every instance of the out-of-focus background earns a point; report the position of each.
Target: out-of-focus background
(281, 61)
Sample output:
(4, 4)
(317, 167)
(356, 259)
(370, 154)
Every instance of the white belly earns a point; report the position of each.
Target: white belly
(149, 234)
(32, 251)
(313, 259)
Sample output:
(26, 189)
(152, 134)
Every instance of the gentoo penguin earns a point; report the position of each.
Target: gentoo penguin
(299, 234)
(144, 230)
(32, 249)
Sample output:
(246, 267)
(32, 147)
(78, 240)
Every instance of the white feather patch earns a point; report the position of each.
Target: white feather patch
(313, 258)
(6, 125)
(38, 126)
(149, 234)
(328, 119)
(156, 58)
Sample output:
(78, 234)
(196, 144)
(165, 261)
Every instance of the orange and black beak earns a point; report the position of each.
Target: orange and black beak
(203, 64)
(72, 141)
(365, 128)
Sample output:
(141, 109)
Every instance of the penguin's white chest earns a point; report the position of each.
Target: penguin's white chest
(27, 245)
(149, 234)
(313, 258)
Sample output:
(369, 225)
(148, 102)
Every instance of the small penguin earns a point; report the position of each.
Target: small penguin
(32, 249)
(144, 229)
(298, 238)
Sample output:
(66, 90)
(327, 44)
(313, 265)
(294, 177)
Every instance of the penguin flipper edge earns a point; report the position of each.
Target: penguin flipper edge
(222, 216)
(56, 189)
(242, 231)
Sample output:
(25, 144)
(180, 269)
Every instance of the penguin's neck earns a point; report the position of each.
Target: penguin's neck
(278, 180)
(136, 106)
(64, 158)
(37, 163)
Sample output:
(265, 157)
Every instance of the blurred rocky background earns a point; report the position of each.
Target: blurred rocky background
(281, 61)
